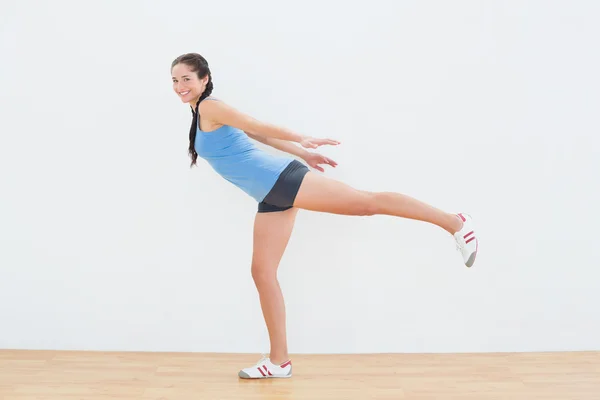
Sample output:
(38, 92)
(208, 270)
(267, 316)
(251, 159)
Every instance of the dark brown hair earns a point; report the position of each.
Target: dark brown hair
(199, 65)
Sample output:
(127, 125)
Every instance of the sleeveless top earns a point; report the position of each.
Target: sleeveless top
(232, 154)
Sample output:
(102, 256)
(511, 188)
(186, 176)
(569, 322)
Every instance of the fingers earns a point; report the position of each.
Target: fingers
(326, 160)
(314, 143)
(328, 141)
(315, 159)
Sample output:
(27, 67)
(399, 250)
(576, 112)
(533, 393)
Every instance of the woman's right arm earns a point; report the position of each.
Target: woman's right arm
(279, 144)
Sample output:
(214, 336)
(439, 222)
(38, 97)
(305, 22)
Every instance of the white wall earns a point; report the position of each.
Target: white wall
(109, 241)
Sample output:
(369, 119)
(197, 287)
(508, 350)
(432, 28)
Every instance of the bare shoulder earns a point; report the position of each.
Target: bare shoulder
(206, 110)
(213, 105)
(220, 113)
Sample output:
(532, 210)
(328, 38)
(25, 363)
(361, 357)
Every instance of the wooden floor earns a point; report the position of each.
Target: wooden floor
(63, 375)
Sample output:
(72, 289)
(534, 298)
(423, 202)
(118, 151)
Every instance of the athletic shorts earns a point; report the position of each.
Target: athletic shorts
(281, 197)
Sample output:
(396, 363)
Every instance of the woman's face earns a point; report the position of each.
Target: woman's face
(186, 83)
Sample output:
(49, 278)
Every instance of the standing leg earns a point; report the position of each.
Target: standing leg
(272, 232)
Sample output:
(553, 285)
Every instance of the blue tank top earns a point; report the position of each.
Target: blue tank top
(232, 154)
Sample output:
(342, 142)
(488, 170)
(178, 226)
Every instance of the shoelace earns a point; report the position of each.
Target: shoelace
(263, 359)
(459, 246)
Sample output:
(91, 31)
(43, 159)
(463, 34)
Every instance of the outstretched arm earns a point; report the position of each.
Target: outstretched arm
(312, 159)
(222, 113)
(280, 144)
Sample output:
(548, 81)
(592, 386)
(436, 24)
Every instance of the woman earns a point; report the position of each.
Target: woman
(282, 185)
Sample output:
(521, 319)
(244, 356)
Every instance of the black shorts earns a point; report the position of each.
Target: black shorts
(281, 197)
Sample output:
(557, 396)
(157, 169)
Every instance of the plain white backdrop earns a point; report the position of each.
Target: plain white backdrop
(109, 241)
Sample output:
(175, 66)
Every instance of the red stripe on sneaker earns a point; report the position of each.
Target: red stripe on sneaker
(261, 371)
(267, 370)
(470, 239)
(468, 234)
(462, 217)
(286, 364)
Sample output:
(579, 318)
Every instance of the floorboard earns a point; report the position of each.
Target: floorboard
(65, 375)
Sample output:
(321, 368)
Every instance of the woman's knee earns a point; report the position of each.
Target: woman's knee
(263, 275)
(367, 205)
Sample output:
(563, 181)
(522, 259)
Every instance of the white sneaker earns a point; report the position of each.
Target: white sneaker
(266, 369)
(466, 240)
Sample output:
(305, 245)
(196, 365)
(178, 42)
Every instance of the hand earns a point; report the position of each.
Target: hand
(314, 159)
(312, 143)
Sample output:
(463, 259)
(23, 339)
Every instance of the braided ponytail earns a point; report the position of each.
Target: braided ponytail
(199, 65)
(195, 121)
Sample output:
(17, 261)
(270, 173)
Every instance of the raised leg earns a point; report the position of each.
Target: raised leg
(272, 232)
(320, 193)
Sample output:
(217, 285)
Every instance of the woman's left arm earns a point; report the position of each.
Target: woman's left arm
(222, 113)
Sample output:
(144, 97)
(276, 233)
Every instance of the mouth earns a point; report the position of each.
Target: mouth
(184, 93)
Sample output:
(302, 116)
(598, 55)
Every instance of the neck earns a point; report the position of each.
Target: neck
(193, 103)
